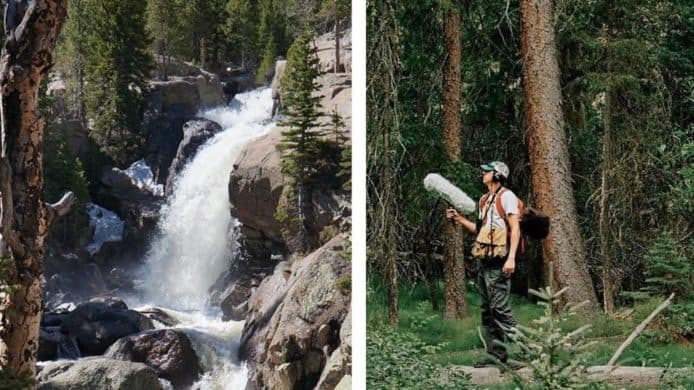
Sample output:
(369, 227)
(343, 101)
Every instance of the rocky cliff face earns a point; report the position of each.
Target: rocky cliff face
(295, 319)
(296, 335)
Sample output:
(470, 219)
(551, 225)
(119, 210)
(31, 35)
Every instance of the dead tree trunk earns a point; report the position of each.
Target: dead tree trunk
(453, 267)
(549, 156)
(337, 44)
(383, 145)
(25, 218)
(608, 279)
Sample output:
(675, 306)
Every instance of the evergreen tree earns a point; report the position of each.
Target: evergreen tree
(300, 143)
(202, 25)
(272, 38)
(118, 63)
(546, 343)
(70, 55)
(240, 30)
(164, 26)
(336, 11)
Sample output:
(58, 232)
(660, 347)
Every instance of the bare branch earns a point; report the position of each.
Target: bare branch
(639, 329)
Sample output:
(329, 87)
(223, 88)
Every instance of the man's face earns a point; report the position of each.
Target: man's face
(487, 176)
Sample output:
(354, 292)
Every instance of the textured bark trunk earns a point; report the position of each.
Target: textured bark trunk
(337, 45)
(549, 156)
(390, 239)
(607, 263)
(453, 267)
(26, 58)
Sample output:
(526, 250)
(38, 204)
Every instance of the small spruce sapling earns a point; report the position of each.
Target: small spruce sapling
(555, 356)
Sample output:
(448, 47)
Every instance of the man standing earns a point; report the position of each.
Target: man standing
(498, 236)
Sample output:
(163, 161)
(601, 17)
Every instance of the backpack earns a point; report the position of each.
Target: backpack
(533, 223)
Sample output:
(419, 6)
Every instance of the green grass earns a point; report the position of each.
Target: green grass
(654, 347)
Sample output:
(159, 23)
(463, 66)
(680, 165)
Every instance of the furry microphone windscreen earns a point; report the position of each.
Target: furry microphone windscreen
(453, 195)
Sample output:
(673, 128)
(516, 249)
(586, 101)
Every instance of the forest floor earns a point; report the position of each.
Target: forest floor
(459, 343)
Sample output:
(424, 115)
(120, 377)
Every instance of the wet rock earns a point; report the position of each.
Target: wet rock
(97, 373)
(78, 284)
(169, 353)
(54, 345)
(157, 314)
(234, 287)
(96, 325)
(275, 85)
(195, 133)
(237, 82)
(285, 338)
(170, 104)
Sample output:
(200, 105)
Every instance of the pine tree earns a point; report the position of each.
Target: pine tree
(300, 143)
(545, 345)
(266, 69)
(118, 66)
(240, 30)
(667, 271)
(164, 26)
(70, 55)
(272, 38)
(337, 128)
(336, 11)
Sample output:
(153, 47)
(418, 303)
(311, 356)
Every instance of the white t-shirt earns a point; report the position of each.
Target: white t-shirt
(509, 201)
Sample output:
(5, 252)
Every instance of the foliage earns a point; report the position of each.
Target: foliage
(300, 142)
(266, 69)
(63, 173)
(12, 381)
(669, 271)
(241, 33)
(117, 63)
(543, 344)
(401, 360)
(164, 25)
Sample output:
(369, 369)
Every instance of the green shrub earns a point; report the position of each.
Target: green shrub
(398, 359)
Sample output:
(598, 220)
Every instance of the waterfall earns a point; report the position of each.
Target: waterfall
(195, 242)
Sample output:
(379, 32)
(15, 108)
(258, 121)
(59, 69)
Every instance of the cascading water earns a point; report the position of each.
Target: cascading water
(195, 241)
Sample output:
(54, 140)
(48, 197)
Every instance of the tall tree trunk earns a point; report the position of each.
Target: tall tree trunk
(382, 138)
(607, 263)
(549, 156)
(26, 58)
(337, 44)
(453, 267)
(390, 259)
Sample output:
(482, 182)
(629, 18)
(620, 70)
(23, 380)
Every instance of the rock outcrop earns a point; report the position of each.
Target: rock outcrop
(97, 373)
(168, 352)
(97, 324)
(195, 133)
(169, 105)
(295, 319)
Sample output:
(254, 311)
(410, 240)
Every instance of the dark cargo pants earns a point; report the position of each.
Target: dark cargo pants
(495, 288)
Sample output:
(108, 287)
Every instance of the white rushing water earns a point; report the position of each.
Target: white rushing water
(195, 241)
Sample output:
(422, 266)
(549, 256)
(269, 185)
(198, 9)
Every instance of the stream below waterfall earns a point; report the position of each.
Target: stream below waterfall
(196, 241)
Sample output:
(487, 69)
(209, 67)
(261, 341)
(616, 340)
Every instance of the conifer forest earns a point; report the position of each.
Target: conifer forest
(590, 105)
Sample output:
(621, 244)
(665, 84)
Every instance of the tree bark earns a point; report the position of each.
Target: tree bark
(26, 58)
(549, 156)
(608, 280)
(337, 43)
(453, 268)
